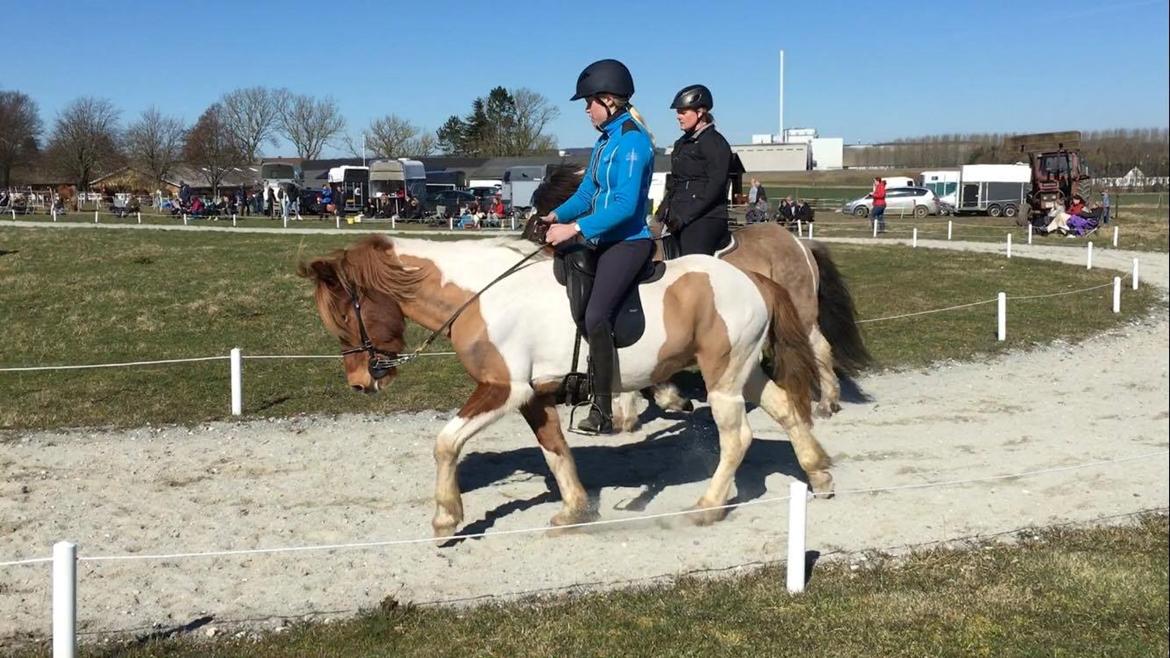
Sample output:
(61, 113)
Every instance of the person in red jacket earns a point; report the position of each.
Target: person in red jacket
(878, 214)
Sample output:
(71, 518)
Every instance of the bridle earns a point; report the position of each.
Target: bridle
(382, 361)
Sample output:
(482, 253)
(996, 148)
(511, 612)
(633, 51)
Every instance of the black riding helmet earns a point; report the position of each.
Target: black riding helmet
(607, 76)
(692, 97)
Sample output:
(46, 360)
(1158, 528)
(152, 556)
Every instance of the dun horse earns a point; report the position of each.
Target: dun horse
(516, 341)
(804, 269)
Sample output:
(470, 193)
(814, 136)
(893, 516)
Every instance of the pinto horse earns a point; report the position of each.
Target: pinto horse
(804, 269)
(516, 341)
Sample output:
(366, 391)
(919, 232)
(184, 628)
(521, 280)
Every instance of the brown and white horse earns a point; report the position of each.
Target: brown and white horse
(516, 341)
(803, 268)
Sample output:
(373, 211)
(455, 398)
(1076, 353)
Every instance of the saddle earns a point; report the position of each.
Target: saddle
(575, 268)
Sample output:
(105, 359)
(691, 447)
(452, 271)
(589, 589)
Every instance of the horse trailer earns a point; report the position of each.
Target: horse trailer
(352, 185)
(388, 177)
(998, 190)
(519, 184)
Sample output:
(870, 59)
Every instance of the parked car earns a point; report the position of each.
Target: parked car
(451, 200)
(918, 201)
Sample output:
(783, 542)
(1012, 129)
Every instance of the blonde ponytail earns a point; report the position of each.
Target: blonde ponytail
(642, 122)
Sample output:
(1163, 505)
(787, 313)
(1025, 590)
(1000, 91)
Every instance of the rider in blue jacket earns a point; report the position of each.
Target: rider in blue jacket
(608, 210)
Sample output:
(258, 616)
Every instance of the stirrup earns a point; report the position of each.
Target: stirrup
(596, 423)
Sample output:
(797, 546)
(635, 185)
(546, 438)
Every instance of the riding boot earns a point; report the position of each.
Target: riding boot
(601, 365)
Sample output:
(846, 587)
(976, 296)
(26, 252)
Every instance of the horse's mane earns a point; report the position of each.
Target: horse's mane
(372, 264)
(560, 182)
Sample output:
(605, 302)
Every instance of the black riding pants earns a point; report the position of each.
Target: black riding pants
(703, 236)
(618, 265)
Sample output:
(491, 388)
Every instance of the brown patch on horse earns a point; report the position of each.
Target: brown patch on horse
(486, 397)
(693, 327)
(794, 367)
(541, 415)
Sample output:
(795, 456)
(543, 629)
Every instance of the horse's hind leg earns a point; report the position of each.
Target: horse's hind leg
(668, 398)
(830, 401)
(625, 412)
(735, 435)
(485, 406)
(809, 453)
(541, 415)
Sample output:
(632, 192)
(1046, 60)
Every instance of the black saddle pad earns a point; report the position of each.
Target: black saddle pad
(574, 268)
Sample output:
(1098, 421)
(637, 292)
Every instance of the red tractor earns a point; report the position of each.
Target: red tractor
(1058, 172)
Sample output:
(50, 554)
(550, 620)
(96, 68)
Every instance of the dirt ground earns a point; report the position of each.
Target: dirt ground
(314, 481)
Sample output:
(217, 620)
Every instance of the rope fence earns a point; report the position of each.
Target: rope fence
(65, 558)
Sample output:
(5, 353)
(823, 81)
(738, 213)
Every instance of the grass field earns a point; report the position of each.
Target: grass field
(1061, 592)
(81, 297)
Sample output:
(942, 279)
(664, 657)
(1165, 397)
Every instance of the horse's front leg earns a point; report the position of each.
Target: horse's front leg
(541, 415)
(485, 406)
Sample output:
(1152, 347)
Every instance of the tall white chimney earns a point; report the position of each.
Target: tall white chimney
(782, 96)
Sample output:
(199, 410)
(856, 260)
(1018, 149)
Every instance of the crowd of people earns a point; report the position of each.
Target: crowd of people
(789, 212)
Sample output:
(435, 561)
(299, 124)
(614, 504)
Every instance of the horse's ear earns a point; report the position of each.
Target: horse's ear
(321, 270)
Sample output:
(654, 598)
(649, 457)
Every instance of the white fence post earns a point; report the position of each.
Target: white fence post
(233, 220)
(1001, 317)
(950, 228)
(1089, 256)
(914, 238)
(513, 222)
(874, 228)
(237, 369)
(797, 523)
(451, 223)
(1114, 236)
(1009, 245)
(393, 222)
(1135, 274)
(1116, 294)
(54, 214)
(810, 230)
(284, 221)
(13, 211)
(95, 216)
(64, 599)
(139, 217)
(184, 219)
(799, 229)
(1029, 232)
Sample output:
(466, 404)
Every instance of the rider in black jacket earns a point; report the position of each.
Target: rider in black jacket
(696, 203)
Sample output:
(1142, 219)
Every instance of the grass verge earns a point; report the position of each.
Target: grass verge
(76, 297)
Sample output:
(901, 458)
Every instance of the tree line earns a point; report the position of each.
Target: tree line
(1109, 153)
(87, 138)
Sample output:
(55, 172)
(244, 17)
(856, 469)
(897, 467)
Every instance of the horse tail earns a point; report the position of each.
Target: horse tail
(794, 367)
(836, 314)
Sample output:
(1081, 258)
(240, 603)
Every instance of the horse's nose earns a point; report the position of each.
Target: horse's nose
(359, 388)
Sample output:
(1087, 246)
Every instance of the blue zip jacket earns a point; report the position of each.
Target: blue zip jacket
(610, 203)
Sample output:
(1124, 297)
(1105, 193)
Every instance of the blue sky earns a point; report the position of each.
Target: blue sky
(852, 70)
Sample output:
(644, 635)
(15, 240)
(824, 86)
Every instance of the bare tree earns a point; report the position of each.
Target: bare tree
(422, 146)
(389, 136)
(84, 142)
(252, 116)
(212, 147)
(154, 143)
(20, 128)
(533, 114)
(308, 123)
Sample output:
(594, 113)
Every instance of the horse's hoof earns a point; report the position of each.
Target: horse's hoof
(821, 483)
(444, 525)
(822, 411)
(704, 515)
(573, 517)
(624, 424)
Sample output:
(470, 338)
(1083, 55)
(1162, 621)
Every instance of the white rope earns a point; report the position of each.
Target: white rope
(114, 365)
(1067, 292)
(603, 522)
(936, 310)
(34, 560)
(327, 356)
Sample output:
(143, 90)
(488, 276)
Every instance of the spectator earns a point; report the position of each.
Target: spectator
(756, 193)
(878, 214)
(804, 212)
(285, 204)
(1106, 208)
(498, 208)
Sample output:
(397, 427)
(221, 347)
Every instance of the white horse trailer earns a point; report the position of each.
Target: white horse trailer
(352, 185)
(387, 177)
(995, 189)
